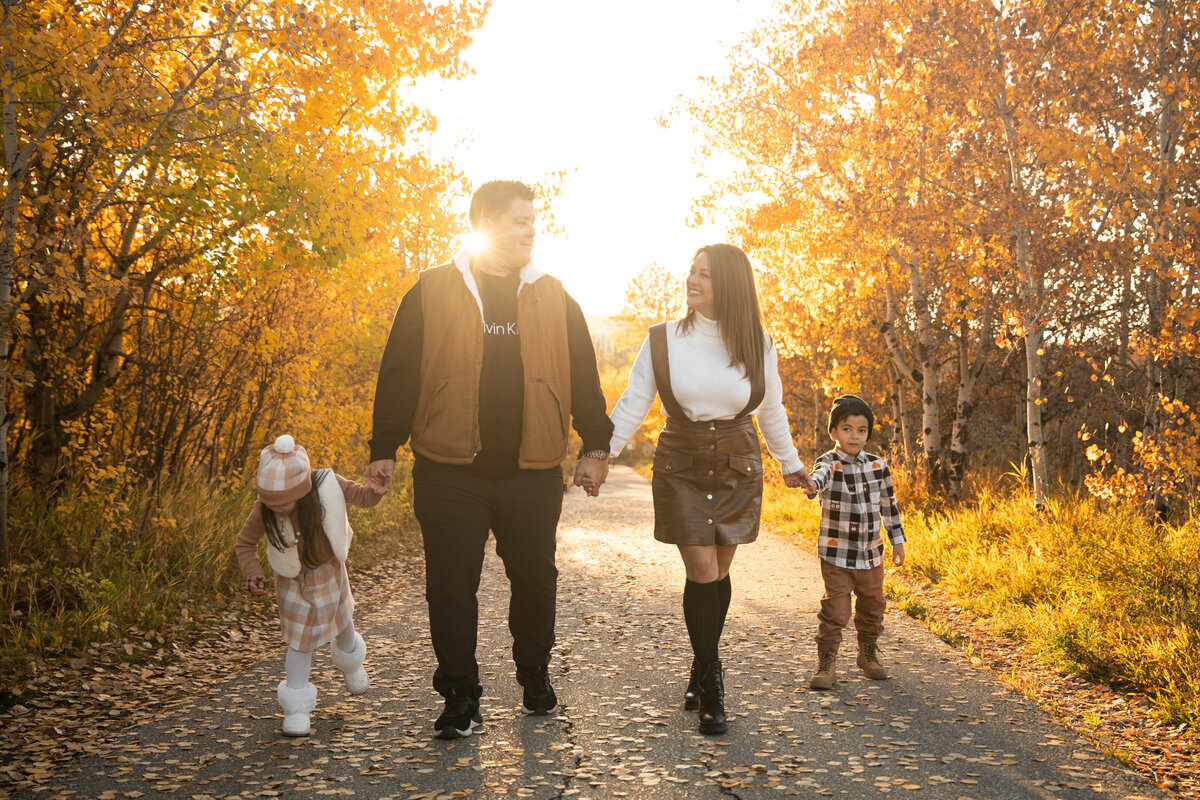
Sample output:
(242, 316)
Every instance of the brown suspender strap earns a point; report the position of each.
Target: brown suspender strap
(662, 370)
(758, 388)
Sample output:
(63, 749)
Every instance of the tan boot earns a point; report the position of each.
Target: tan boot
(868, 660)
(826, 674)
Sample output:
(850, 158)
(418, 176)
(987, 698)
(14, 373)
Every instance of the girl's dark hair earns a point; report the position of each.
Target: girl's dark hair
(309, 514)
(738, 315)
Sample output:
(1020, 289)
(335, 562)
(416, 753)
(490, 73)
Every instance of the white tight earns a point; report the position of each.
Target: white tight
(298, 663)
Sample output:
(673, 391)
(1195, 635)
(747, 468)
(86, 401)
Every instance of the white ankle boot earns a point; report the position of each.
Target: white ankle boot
(296, 705)
(351, 664)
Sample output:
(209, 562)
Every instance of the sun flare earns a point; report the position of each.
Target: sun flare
(475, 242)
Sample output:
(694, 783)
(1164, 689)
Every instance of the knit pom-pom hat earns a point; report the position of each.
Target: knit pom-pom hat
(848, 405)
(283, 472)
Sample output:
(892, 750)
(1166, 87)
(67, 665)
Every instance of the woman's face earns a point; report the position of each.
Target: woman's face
(700, 295)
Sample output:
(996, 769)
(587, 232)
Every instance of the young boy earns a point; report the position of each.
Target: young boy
(856, 492)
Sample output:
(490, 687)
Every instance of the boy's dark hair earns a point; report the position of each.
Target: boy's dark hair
(848, 405)
(493, 198)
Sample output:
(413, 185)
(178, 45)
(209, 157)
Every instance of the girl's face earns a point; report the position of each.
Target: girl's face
(700, 295)
(284, 509)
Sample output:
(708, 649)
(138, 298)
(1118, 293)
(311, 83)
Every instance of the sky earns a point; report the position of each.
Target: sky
(562, 85)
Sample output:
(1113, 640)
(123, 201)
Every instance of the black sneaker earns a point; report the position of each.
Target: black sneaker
(461, 716)
(539, 698)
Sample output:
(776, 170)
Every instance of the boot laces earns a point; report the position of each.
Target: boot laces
(826, 661)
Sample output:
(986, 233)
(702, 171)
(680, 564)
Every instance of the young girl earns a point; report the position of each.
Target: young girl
(303, 515)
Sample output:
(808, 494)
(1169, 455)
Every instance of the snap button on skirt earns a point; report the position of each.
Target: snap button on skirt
(707, 482)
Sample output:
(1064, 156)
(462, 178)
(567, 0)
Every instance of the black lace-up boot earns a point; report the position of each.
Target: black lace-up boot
(712, 699)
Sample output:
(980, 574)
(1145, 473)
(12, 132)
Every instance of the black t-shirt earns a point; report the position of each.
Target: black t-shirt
(502, 379)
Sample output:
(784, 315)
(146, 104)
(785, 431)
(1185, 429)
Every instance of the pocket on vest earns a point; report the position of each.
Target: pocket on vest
(445, 421)
(545, 436)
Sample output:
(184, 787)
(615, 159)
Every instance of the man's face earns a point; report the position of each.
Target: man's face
(510, 236)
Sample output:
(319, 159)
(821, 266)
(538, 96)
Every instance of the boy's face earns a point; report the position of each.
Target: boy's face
(850, 434)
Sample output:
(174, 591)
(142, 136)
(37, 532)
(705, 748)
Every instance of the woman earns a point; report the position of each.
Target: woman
(713, 369)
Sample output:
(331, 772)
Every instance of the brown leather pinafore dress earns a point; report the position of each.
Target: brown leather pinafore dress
(707, 483)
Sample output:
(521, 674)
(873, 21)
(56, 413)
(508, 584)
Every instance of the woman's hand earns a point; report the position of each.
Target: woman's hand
(800, 479)
(256, 586)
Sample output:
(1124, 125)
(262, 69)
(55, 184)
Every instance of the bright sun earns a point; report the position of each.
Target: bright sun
(475, 242)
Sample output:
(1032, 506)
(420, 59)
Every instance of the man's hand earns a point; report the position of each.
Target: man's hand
(257, 587)
(898, 554)
(590, 473)
(378, 477)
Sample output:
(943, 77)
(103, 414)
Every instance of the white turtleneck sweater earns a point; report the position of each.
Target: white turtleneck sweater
(707, 388)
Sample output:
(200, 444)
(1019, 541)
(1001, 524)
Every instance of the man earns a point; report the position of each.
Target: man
(487, 362)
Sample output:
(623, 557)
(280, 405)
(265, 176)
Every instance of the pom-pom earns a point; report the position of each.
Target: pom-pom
(285, 444)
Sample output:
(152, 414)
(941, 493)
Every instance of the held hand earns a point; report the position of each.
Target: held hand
(590, 473)
(256, 586)
(378, 476)
(809, 484)
(898, 554)
(800, 479)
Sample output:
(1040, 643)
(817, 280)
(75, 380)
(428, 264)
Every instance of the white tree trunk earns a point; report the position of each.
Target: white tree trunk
(1035, 432)
(968, 376)
(927, 372)
(900, 411)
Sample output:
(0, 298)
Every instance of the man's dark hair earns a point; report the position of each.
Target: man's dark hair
(493, 198)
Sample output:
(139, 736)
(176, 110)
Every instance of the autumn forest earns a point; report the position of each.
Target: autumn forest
(983, 217)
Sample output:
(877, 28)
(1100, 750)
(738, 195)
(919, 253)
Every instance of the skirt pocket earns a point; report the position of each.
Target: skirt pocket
(745, 465)
(672, 463)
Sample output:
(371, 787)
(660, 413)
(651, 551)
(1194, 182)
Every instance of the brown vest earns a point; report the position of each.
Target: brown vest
(446, 423)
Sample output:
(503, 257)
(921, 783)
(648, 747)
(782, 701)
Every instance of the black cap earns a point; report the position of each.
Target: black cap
(848, 405)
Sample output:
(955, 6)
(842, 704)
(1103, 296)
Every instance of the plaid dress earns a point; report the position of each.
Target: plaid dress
(315, 606)
(856, 496)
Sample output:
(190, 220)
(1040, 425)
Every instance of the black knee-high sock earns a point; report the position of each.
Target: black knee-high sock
(725, 593)
(702, 612)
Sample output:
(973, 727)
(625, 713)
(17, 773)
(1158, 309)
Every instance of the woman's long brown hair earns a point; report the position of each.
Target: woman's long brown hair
(309, 515)
(738, 315)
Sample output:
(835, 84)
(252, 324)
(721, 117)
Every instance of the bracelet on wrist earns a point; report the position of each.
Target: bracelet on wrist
(602, 455)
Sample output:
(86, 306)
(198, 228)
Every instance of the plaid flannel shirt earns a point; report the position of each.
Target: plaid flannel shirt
(856, 492)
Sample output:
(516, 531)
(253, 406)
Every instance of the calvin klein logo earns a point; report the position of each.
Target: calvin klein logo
(501, 329)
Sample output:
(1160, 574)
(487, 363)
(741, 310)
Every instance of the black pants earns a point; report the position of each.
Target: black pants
(456, 508)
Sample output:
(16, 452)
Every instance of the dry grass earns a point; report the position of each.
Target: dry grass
(103, 565)
(1100, 591)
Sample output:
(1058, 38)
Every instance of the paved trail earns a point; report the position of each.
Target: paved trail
(938, 729)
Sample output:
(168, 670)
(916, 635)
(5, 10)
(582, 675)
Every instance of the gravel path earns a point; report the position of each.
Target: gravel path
(938, 729)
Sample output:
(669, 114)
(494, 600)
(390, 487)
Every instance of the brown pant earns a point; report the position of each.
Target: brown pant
(835, 604)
